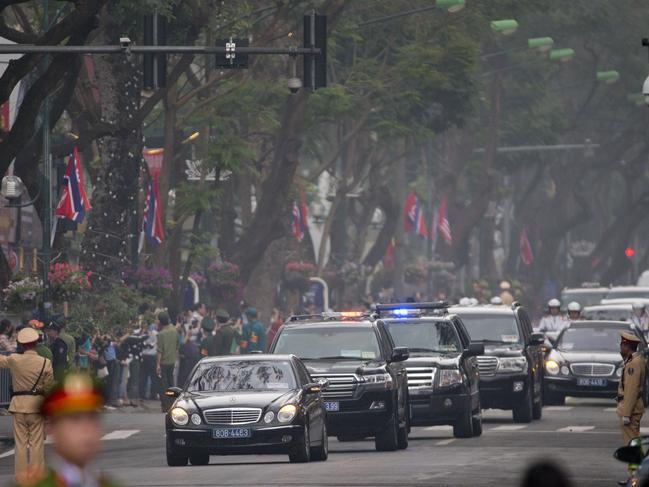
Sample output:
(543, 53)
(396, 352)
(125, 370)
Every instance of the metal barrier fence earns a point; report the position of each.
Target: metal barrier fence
(5, 386)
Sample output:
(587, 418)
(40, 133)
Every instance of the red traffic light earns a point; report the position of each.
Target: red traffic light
(629, 252)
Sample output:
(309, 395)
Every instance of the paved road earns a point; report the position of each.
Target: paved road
(582, 436)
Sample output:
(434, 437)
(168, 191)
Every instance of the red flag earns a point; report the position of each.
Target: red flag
(300, 218)
(388, 257)
(413, 216)
(444, 224)
(152, 222)
(527, 257)
(74, 202)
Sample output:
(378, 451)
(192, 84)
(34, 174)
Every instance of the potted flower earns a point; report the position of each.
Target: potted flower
(297, 274)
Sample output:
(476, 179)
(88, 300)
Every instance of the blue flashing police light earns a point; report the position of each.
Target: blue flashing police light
(399, 307)
(402, 312)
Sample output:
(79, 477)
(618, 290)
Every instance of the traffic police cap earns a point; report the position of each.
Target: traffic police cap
(75, 394)
(222, 316)
(629, 337)
(27, 335)
(208, 324)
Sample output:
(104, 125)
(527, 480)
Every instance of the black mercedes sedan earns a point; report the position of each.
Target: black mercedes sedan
(248, 404)
(586, 360)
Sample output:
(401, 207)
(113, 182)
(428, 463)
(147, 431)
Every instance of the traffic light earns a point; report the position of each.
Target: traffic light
(629, 252)
(155, 65)
(315, 65)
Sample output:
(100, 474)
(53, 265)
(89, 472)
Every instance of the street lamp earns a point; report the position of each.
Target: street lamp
(12, 187)
(505, 27)
(608, 77)
(451, 5)
(563, 55)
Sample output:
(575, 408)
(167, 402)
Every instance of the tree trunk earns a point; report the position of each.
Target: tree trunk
(108, 240)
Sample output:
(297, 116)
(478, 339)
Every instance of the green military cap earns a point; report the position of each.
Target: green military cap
(630, 337)
(208, 324)
(222, 316)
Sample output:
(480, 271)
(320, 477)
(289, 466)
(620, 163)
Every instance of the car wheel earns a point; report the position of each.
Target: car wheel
(302, 453)
(321, 453)
(174, 459)
(523, 411)
(476, 422)
(402, 435)
(388, 438)
(201, 459)
(463, 427)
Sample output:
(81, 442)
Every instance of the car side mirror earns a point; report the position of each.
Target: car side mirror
(629, 454)
(314, 388)
(400, 354)
(537, 339)
(474, 350)
(173, 392)
(324, 383)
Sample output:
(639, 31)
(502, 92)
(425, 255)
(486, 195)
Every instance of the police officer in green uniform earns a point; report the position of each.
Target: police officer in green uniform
(630, 403)
(71, 409)
(208, 343)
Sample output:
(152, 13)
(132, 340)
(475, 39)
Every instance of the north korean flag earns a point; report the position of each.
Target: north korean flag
(74, 203)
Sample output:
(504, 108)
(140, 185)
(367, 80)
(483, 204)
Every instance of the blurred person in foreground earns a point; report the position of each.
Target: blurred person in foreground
(253, 336)
(31, 375)
(74, 426)
(545, 474)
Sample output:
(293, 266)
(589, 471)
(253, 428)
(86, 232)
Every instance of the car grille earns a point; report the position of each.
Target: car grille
(421, 376)
(487, 365)
(232, 416)
(593, 370)
(341, 386)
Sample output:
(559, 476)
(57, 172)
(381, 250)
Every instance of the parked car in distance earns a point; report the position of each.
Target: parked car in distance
(247, 404)
(628, 292)
(585, 296)
(608, 312)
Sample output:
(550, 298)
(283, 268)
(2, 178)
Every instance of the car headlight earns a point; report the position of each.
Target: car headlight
(565, 370)
(517, 364)
(449, 377)
(196, 419)
(384, 379)
(269, 417)
(287, 413)
(619, 371)
(179, 416)
(552, 367)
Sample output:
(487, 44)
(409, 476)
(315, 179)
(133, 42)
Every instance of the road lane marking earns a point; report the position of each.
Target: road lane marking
(509, 427)
(442, 429)
(575, 429)
(7, 454)
(445, 442)
(557, 408)
(119, 435)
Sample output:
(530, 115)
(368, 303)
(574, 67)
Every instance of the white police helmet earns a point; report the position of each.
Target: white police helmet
(554, 303)
(496, 300)
(638, 305)
(574, 306)
(464, 301)
(473, 302)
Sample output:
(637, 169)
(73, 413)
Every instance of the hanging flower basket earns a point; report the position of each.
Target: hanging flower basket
(297, 274)
(153, 281)
(22, 294)
(224, 283)
(68, 282)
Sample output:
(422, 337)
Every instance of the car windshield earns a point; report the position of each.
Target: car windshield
(607, 314)
(627, 294)
(329, 343)
(599, 339)
(584, 298)
(495, 328)
(425, 336)
(242, 375)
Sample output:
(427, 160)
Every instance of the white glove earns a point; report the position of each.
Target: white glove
(626, 420)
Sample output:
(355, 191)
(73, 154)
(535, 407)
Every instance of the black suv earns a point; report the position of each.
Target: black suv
(443, 378)
(511, 370)
(368, 384)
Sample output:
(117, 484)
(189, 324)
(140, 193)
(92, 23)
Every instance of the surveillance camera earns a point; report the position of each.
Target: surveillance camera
(294, 85)
(125, 42)
(645, 90)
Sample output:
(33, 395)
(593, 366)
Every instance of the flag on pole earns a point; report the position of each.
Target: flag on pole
(152, 227)
(527, 257)
(413, 216)
(74, 203)
(300, 215)
(443, 224)
(388, 257)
